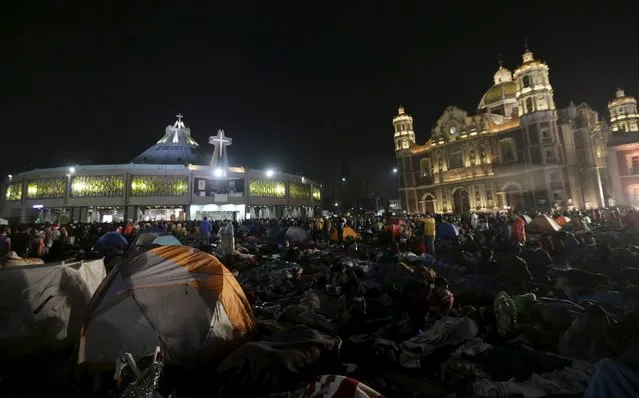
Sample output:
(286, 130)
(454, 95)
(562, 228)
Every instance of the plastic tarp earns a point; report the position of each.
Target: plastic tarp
(280, 360)
(3, 221)
(543, 223)
(447, 231)
(43, 306)
(175, 297)
(293, 235)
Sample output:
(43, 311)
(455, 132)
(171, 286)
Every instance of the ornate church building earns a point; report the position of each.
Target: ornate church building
(517, 152)
(623, 150)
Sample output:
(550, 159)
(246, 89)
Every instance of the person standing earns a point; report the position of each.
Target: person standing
(429, 234)
(5, 241)
(205, 229)
(518, 230)
(340, 224)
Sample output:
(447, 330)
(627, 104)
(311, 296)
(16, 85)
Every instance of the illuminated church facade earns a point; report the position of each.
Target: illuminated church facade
(623, 150)
(518, 151)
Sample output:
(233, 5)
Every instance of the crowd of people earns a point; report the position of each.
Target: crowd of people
(482, 304)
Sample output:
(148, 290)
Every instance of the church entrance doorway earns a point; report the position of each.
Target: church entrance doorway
(514, 197)
(429, 205)
(460, 201)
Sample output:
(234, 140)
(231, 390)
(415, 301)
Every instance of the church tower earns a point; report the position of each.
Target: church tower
(534, 92)
(623, 113)
(404, 133)
(544, 157)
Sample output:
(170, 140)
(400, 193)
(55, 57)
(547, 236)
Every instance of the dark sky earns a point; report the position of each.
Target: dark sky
(298, 86)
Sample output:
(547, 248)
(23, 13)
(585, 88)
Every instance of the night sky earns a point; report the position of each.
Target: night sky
(298, 88)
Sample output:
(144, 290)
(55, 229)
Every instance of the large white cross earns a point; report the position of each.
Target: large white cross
(179, 124)
(220, 141)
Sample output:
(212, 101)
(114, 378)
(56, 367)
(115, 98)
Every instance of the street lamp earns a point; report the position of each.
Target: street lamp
(343, 179)
(218, 172)
(270, 173)
(71, 170)
(336, 204)
(395, 170)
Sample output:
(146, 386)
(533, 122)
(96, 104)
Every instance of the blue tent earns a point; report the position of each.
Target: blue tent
(447, 231)
(145, 240)
(111, 240)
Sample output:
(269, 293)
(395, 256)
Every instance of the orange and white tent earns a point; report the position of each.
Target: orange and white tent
(175, 297)
(347, 233)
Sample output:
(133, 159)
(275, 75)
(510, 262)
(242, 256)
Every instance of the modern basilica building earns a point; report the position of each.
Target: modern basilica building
(172, 180)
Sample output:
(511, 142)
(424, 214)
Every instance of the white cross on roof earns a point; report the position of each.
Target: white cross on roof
(220, 141)
(179, 123)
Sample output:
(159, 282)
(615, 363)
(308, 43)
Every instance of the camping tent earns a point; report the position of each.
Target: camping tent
(146, 240)
(43, 306)
(111, 240)
(175, 297)
(543, 223)
(349, 233)
(292, 234)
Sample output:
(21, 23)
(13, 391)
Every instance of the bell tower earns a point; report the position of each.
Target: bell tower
(404, 134)
(623, 113)
(544, 155)
(534, 92)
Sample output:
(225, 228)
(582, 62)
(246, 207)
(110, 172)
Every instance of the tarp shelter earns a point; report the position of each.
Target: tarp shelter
(349, 233)
(3, 221)
(293, 235)
(146, 240)
(111, 240)
(447, 231)
(526, 218)
(175, 297)
(42, 307)
(543, 223)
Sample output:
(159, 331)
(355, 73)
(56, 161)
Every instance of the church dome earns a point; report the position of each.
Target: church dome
(501, 95)
(176, 147)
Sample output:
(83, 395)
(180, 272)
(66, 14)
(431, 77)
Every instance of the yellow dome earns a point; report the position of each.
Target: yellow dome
(498, 93)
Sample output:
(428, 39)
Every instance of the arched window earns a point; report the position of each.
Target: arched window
(529, 105)
(525, 81)
(425, 167)
(507, 150)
